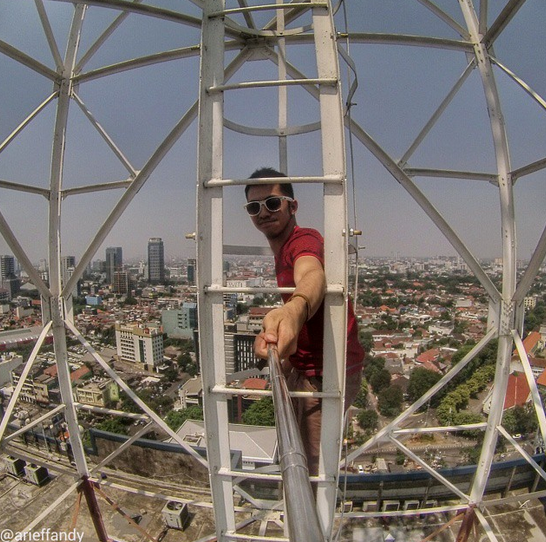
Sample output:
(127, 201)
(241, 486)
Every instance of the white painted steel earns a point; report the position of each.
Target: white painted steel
(60, 307)
(335, 230)
(437, 114)
(507, 319)
(209, 235)
(210, 247)
(433, 472)
(506, 310)
(33, 423)
(27, 121)
(23, 259)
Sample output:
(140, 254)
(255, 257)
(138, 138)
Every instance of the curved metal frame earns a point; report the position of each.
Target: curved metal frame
(476, 40)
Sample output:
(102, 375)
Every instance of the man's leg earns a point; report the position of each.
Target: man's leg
(309, 412)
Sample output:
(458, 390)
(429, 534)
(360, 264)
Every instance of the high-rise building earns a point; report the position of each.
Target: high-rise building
(192, 266)
(121, 283)
(7, 266)
(156, 260)
(114, 262)
(68, 265)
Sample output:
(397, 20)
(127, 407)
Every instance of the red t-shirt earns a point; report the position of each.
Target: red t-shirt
(308, 357)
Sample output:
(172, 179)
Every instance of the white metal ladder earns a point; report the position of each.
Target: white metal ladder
(216, 26)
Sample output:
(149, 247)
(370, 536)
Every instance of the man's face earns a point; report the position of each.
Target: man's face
(272, 224)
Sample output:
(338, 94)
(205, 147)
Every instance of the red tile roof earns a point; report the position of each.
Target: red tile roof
(255, 384)
(530, 342)
(74, 375)
(541, 380)
(428, 356)
(517, 392)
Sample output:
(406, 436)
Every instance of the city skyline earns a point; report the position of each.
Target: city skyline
(138, 109)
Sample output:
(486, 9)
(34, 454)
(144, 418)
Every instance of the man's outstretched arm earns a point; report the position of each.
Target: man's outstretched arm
(282, 326)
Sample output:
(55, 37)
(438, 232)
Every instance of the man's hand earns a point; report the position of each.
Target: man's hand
(282, 326)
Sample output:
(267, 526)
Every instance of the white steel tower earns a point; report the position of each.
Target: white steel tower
(436, 96)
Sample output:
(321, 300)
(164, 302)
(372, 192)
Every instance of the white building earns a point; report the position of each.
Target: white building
(8, 362)
(139, 344)
(257, 444)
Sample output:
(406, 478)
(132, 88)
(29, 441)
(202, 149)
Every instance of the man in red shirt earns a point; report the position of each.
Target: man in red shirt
(297, 327)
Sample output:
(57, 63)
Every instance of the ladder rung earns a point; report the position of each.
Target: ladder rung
(326, 179)
(247, 250)
(331, 81)
(226, 390)
(228, 473)
(234, 535)
(266, 7)
(331, 289)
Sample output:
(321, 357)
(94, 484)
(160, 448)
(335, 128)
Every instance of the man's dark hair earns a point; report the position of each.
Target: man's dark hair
(286, 188)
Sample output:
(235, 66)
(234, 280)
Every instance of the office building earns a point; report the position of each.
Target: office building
(68, 265)
(156, 260)
(7, 266)
(8, 280)
(139, 344)
(192, 268)
(114, 262)
(121, 283)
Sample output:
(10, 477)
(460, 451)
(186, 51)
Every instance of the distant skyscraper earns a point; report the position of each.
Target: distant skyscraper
(68, 261)
(121, 283)
(8, 280)
(192, 266)
(7, 266)
(156, 260)
(68, 265)
(114, 262)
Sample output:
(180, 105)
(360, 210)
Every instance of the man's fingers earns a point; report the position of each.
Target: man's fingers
(270, 337)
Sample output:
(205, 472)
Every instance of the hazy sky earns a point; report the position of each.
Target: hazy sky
(398, 89)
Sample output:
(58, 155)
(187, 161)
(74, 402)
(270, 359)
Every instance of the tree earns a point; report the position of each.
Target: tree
(161, 403)
(380, 380)
(175, 418)
(127, 404)
(361, 400)
(366, 340)
(420, 381)
(390, 401)
(113, 425)
(186, 364)
(535, 317)
(109, 336)
(260, 413)
(519, 420)
(367, 420)
(184, 360)
(171, 374)
(374, 364)
(466, 418)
